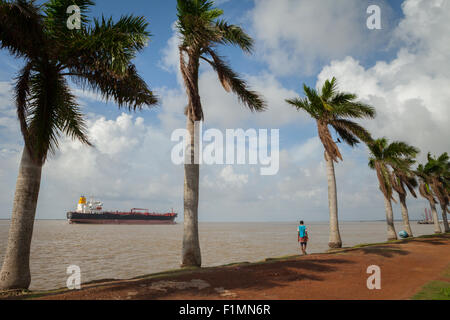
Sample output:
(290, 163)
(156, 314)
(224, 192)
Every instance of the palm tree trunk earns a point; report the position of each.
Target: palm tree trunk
(15, 273)
(444, 218)
(335, 236)
(392, 235)
(405, 215)
(191, 256)
(437, 225)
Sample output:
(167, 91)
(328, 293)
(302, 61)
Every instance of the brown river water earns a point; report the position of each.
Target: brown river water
(123, 251)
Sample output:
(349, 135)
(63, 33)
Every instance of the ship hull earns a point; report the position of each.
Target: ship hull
(114, 218)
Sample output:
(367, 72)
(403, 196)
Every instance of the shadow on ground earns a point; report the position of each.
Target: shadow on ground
(384, 251)
(253, 277)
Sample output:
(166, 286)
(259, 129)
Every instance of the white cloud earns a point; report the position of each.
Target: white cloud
(232, 179)
(170, 60)
(88, 95)
(5, 98)
(297, 36)
(409, 92)
(121, 135)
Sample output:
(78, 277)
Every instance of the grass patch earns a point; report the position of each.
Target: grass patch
(365, 245)
(26, 294)
(174, 272)
(434, 290)
(283, 258)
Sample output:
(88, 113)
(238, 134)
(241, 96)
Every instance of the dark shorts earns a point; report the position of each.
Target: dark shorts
(304, 240)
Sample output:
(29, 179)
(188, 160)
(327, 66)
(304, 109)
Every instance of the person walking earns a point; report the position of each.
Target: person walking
(303, 237)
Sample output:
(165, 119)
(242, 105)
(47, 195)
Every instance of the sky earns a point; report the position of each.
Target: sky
(402, 70)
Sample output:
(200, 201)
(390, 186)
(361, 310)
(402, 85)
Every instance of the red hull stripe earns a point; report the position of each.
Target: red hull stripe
(121, 221)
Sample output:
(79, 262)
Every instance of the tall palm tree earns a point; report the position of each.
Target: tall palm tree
(201, 31)
(333, 108)
(96, 56)
(384, 157)
(438, 174)
(424, 174)
(445, 180)
(403, 179)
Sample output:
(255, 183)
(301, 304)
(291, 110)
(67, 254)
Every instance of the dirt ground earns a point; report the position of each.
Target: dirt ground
(405, 268)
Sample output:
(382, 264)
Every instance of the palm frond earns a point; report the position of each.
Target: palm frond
(400, 157)
(426, 192)
(52, 111)
(130, 91)
(107, 45)
(405, 176)
(42, 120)
(332, 108)
(303, 104)
(234, 35)
(355, 110)
(232, 82)
(70, 119)
(351, 132)
(196, 21)
(436, 174)
(21, 29)
(56, 15)
(329, 89)
(314, 99)
(21, 92)
(398, 149)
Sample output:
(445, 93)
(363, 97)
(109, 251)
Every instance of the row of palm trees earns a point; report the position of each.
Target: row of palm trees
(99, 56)
(393, 162)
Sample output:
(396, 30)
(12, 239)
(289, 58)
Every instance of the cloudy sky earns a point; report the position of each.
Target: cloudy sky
(403, 70)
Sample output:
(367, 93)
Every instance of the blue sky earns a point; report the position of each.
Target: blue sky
(296, 42)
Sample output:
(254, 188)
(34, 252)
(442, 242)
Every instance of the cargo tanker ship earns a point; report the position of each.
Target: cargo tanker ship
(91, 212)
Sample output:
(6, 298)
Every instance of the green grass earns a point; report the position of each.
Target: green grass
(435, 290)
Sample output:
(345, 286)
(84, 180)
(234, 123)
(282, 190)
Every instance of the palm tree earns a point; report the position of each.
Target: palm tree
(201, 31)
(384, 157)
(426, 191)
(97, 57)
(438, 178)
(333, 108)
(401, 178)
(445, 180)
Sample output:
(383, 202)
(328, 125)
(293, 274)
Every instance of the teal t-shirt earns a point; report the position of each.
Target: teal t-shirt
(302, 231)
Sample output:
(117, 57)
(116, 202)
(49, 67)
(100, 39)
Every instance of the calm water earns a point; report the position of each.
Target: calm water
(103, 251)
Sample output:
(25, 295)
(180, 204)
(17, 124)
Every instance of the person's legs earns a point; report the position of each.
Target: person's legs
(304, 248)
(303, 245)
